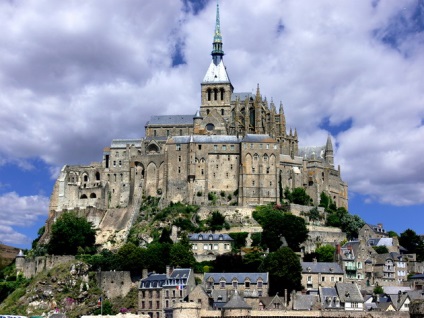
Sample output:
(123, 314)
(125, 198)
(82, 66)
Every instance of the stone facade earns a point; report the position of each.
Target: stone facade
(114, 284)
(158, 293)
(206, 246)
(235, 146)
(320, 274)
(29, 267)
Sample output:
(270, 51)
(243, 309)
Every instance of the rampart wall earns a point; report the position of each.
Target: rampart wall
(114, 284)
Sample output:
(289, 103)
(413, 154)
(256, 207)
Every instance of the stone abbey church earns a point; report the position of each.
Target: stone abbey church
(235, 146)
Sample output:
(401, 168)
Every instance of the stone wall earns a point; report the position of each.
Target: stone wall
(192, 309)
(114, 284)
(31, 267)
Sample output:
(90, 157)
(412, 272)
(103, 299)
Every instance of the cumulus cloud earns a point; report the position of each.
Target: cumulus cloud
(75, 75)
(20, 211)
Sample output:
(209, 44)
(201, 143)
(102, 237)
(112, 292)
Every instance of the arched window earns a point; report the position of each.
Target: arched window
(222, 112)
(85, 178)
(210, 127)
(252, 117)
(209, 94)
(207, 111)
(93, 196)
(222, 94)
(97, 175)
(83, 196)
(215, 94)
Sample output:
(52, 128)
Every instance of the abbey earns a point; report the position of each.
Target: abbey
(233, 150)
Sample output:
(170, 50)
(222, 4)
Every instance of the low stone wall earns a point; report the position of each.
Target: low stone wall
(31, 267)
(114, 284)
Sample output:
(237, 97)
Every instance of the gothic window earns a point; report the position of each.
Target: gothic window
(85, 178)
(252, 117)
(255, 156)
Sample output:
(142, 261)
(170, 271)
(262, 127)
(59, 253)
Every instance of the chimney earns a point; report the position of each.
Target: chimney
(144, 273)
(168, 270)
(315, 260)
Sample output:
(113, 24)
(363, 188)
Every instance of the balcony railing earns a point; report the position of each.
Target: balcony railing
(350, 267)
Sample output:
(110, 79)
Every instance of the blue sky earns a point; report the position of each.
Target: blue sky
(75, 75)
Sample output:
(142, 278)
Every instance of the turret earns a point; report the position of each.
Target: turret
(329, 155)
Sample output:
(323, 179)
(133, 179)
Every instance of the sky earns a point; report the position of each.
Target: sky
(76, 74)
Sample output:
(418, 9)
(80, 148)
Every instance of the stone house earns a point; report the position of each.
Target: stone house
(350, 296)
(329, 298)
(246, 284)
(158, 293)
(320, 274)
(206, 246)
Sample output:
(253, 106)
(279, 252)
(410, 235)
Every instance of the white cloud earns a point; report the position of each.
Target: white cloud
(75, 75)
(20, 211)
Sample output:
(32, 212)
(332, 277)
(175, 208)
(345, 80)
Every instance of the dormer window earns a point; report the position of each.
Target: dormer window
(200, 237)
(210, 237)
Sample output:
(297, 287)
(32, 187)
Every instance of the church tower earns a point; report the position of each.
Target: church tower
(216, 88)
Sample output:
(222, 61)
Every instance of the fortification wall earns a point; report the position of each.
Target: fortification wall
(31, 267)
(114, 284)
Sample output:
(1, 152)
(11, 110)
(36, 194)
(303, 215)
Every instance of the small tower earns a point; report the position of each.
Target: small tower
(20, 262)
(329, 155)
(216, 85)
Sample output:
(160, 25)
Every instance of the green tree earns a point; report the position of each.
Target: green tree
(277, 224)
(158, 257)
(181, 254)
(381, 249)
(298, 196)
(70, 232)
(392, 234)
(239, 239)
(131, 258)
(413, 243)
(284, 270)
(252, 261)
(325, 253)
(378, 290)
(216, 221)
(350, 224)
(165, 237)
(228, 262)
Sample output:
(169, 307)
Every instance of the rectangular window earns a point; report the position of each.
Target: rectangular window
(199, 147)
(222, 284)
(232, 147)
(247, 285)
(260, 146)
(267, 146)
(215, 147)
(215, 246)
(251, 146)
(259, 284)
(154, 132)
(224, 147)
(178, 147)
(275, 146)
(235, 284)
(167, 132)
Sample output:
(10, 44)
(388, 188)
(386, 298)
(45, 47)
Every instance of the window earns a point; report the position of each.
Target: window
(222, 111)
(154, 133)
(215, 147)
(323, 279)
(215, 246)
(179, 158)
(267, 146)
(247, 285)
(224, 147)
(231, 147)
(275, 146)
(179, 169)
(178, 147)
(235, 284)
(251, 146)
(260, 146)
(181, 132)
(167, 132)
(199, 147)
(260, 284)
(222, 284)
(226, 246)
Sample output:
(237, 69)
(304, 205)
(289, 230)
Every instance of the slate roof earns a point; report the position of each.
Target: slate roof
(321, 267)
(258, 138)
(304, 302)
(241, 277)
(205, 139)
(216, 73)
(236, 302)
(378, 230)
(178, 277)
(329, 297)
(349, 292)
(122, 143)
(209, 237)
(170, 120)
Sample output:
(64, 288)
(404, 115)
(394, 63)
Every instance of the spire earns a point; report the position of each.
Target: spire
(217, 52)
(329, 157)
(329, 145)
(258, 94)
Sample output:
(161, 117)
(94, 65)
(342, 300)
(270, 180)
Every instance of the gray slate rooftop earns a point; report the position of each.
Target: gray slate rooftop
(236, 302)
(205, 139)
(171, 120)
(209, 237)
(122, 143)
(321, 267)
(241, 277)
(349, 292)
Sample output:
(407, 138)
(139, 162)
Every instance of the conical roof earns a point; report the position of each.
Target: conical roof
(236, 302)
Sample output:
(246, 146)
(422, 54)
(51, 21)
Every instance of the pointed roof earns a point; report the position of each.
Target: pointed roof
(216, 73)
(236, 302)
(329, 145)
